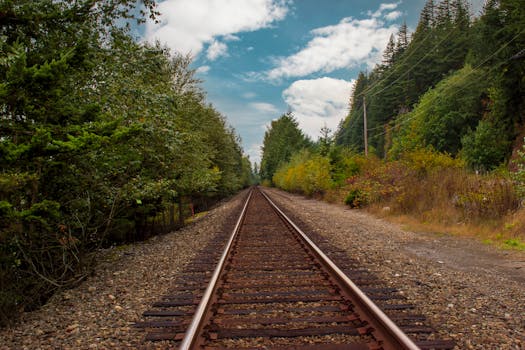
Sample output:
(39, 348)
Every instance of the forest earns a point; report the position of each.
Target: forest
(445, 112)
(103, 141)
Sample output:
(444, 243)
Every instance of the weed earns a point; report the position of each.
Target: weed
(514, 244)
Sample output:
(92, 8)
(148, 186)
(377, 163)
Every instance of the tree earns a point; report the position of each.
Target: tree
(350, 131)
(325, 141)
(281, 140)
(402, 40)
(389, 53)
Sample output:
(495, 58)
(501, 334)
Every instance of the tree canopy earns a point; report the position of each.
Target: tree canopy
(100, 138)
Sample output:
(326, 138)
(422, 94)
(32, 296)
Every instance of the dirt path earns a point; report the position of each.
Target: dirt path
(469, 255)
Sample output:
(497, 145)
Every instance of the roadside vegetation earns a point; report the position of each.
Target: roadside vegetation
(446, 116)
(102, 141)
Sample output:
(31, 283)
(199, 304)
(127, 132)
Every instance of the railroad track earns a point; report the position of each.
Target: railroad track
(273, 288)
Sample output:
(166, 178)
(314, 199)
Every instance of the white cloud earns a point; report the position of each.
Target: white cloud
(348, 43)
(203, 69)
(216, 50)
(264, 107)
(230, 37)
(248, 95)
(254, 152)
(318, 102)
(392, 16)
(383, 7)
(189, 25)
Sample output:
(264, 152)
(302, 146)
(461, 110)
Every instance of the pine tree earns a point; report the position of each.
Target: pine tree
(389, 53)
(402, 40)
(281, 141)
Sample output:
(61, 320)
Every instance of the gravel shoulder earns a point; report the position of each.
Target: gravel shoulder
(470, 292)
(100, 313)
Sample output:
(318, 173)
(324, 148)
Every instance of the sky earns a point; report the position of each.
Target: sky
(259, 59)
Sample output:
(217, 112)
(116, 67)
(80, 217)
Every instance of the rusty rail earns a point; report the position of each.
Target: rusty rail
(395, 337)
(198, 320)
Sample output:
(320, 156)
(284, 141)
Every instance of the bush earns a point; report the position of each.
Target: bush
(355, 199)
(426, 160)
(305, 173)
(486, 147)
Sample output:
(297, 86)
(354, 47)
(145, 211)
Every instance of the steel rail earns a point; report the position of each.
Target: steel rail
(388, 328)
(198, 319)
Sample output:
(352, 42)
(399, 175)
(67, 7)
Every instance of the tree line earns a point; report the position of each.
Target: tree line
(102, 140)
(455, 85)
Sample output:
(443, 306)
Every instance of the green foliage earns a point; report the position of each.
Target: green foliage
(344, 164)
(282, 139)
(514, 244)
(426, 160)
(486, 147)
(455, 73)
(443, 116)
(355, 199)
(101, 138)
(519, 174)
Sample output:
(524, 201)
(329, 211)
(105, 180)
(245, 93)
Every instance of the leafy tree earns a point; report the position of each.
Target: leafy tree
(486, 147)
(306, 173)
(282, 139)
(444, 114)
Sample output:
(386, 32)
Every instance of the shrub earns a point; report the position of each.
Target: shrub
(486, 147)
(355, 199)
(427, 160)
(305, 173)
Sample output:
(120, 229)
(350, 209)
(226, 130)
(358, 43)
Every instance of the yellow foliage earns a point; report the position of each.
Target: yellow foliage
(426, 160)
(305, 173)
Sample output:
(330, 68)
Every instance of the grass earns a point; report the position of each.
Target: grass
(514, 244)
(505, 233)
(432, 193)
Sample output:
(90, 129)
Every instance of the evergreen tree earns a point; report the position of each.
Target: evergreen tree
(282, 139)
(402, 40)
(389, 53)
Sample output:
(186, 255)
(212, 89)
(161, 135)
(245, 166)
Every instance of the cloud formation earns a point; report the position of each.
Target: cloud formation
(348, 43)
(392, 16)
(264, 107)
(203, 69)
(383, 7)
(216, 50)
(318, 102)
(189, 25)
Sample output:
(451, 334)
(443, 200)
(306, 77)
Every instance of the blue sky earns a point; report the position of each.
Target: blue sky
(260, 58)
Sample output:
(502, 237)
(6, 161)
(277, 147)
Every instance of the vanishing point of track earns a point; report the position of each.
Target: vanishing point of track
(273, 288)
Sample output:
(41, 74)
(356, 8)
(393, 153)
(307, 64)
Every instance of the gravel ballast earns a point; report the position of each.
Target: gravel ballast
(100, 313)
(470, 292)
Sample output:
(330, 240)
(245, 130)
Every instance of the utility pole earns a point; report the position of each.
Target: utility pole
(365, 131)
